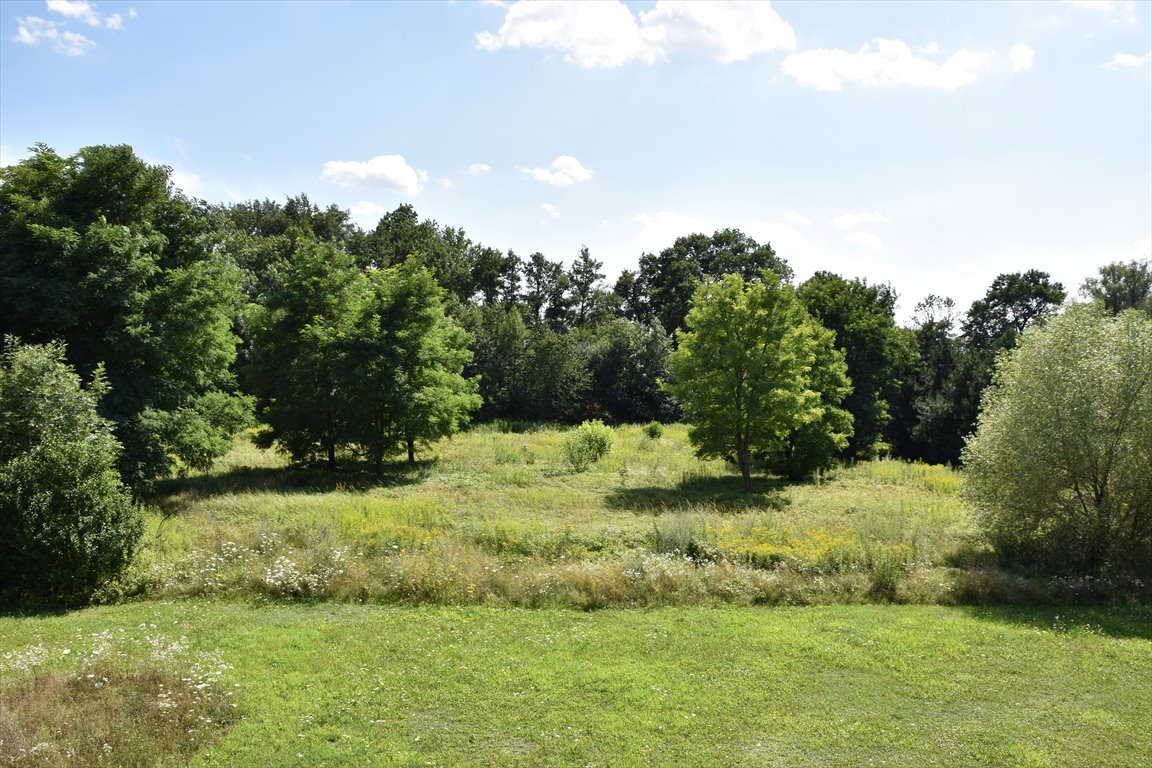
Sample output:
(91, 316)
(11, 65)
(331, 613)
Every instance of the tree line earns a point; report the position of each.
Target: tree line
(346, 341)
(142, 329)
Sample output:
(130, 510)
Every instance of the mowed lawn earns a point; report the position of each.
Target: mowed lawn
(348, 685)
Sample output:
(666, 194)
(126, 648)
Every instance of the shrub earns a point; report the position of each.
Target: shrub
(654, 430)
(587, 444)
(68, 521)
(1058, 466)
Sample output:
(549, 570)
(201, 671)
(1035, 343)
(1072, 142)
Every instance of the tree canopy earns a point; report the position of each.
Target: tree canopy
(99, 252)
(1059, 464)
(752, 369)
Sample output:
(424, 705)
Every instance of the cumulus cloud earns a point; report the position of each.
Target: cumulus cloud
(784, 238)
(187, 182)
(549, 209)
(32, 30)
(1128, 61)
(849, 220)
(797, 219)
(888, 62)
(76, 9)
(608, 34)
(869, 240)
(479, 169)
(388, 171)
(564, 170)
(1021, 57)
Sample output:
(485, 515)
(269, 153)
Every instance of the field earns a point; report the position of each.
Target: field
(290, 617)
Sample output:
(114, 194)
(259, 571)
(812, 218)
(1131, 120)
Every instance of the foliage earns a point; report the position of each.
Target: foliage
(68, 522)
(669, 280)
(863, 318)
(344, 357)
(626, 362)
(587, 444)
(97, 251)
(1060, 462)
(653, 430)
(747, 371)
(1122, 286)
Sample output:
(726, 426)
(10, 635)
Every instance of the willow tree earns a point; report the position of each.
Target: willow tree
(1059, 463)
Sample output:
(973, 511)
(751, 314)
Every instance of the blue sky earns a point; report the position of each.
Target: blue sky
(932, 146)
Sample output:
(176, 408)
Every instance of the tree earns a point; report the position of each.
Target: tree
(1059, 464)
(1012, 303)
(69, 523)
(749, 368)
(587, 296)
(97, 251)
(863, 318)
(669, 280)
(299, 369)
(627, 361)
(1122, 286)
(405, 361)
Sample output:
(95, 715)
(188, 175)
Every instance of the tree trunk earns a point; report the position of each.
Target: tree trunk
(744, 457)
(411, 451)
(331, 457)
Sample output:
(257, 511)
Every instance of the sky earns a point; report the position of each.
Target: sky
(931, 146)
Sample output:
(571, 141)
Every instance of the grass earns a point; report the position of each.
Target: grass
(501, 518)
(351, 685)
(282, 616)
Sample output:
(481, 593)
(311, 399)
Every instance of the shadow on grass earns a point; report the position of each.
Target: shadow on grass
(1122, 621)
(287, 480)
(723, 494)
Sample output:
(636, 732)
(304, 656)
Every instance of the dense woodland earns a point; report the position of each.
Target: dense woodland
(345, 341)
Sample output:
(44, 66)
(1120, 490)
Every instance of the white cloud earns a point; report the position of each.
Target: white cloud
(565, 170)
(798, 219)
(446, 183)
(607, 34)
(115, 21)
(1021, 56)
(549, 209)
(367, 214)
(1128, 61)
(388, 171)
(32, 30)
(76, 9)
(659, 230)
(1143, 248)
(849, 220)
(479, 169)
(890, 62)
(868, 240)
(723, 31)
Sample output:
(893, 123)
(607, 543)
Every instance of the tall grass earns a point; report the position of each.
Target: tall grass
(500, 517)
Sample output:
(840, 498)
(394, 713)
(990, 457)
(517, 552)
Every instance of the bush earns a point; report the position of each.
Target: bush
(67, 519)
(1058, 466)
(654, 430)
(587, 444)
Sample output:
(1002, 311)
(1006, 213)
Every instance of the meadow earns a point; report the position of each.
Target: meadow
(499, 518)
(491, 606)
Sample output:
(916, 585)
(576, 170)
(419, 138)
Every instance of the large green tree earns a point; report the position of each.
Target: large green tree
(1121, 286)
(99, 251)
(879, 357)
(1059, 465)
(406, 360)
(68, 522)
(668, 280)
(749, 371)
(299, 366)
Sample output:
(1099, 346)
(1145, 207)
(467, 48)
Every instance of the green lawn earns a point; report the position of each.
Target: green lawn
(822, 686)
